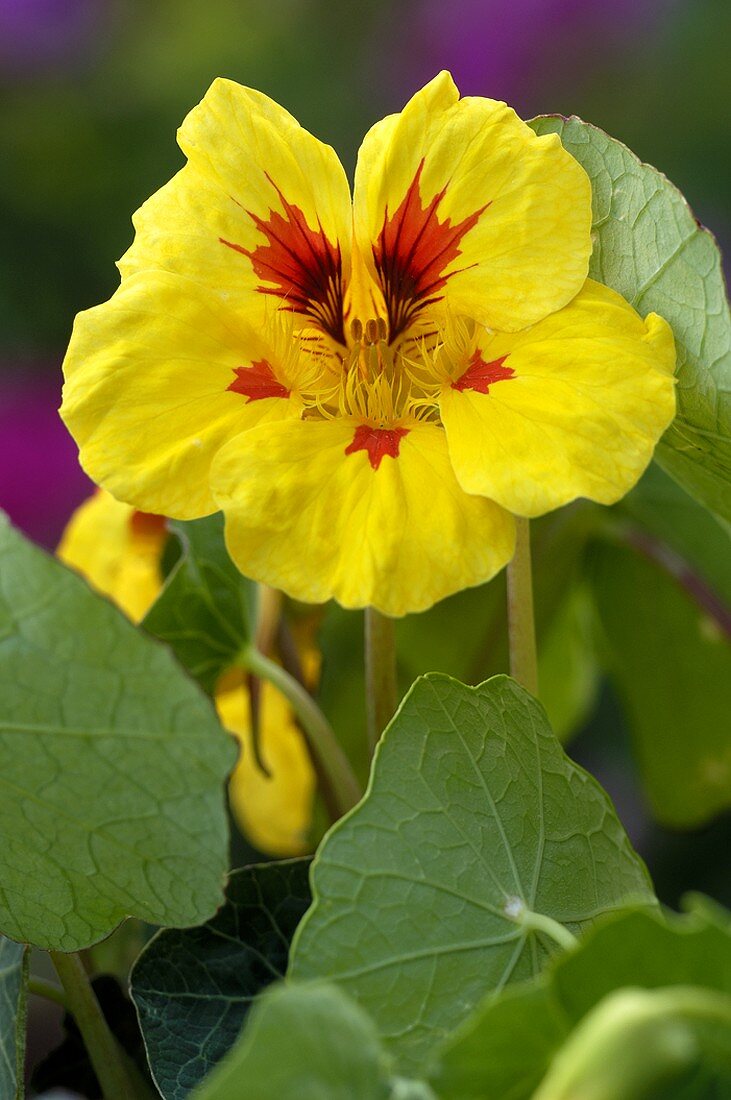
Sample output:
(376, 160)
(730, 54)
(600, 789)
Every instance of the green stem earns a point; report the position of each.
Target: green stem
(539, 922)
(637, 1042)
(39, 987)
(323, 744)
(521, 627)
(380, 673)
(118, 1077)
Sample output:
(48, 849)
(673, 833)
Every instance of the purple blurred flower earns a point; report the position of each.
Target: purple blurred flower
(511, 49)
(41, 481)
(36, 33)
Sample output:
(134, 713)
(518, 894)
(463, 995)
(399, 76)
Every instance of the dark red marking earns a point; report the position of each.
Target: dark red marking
(303, 263)
(412, 251)
(257, 382)
(147, 524)
(480, 375)
(377, 441)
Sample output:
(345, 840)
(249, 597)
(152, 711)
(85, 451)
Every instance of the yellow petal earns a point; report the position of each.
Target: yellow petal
(317, 512)
(117, 550)
(261, 205)
(575, 406)
(148, 394)
(458, 202)
(180, 228)
(275, 810)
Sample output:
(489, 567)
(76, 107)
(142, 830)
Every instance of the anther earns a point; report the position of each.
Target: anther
(356, 330)
(372, 331)
(382, 329)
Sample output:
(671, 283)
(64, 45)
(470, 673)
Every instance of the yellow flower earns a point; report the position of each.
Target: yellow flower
(369, 389)
(118, 550)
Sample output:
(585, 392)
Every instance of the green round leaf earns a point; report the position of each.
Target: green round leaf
(112, 766)
(506, 1046)
(13, 967)
(303, 1043)
(193, 988)
(474, 816)
(649, 247)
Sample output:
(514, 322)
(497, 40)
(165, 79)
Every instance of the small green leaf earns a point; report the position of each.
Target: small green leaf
(670, 657)
(650, 248)
(207, 609)
(473, 821)
(13, 973)
(193, 988)
(112, 766)
(507, 1045)
(308, 1042)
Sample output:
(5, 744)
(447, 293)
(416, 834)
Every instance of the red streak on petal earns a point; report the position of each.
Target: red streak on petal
(304, 265)
(412, 251)
(480, 375)
(377, 441)
(257, 382)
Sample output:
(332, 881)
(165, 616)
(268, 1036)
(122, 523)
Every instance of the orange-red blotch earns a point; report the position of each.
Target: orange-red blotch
(480, 375)
(304, 264)
(147, 523)
(412, 251)
(378, 442)
(257, 382)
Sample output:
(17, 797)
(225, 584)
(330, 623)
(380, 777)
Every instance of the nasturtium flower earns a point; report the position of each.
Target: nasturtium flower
(119, 550)
(369, 389)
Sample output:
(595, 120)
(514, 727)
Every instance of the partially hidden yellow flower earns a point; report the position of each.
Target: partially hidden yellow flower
(118, 550)
(369, 389)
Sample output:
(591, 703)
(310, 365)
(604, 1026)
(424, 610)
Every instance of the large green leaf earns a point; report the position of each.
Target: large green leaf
(506, 1047)
(304, 1043)
(699, 541)
(13, 965)
(669, 655)
(568, 672)
(206, 610)
(650, 248)
(112, 766)
(474, 827)
(193, 988)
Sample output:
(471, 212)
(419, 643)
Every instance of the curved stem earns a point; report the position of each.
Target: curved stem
(521, 626)
(539, 922)
(637, 1042)
(39, 987)
(323, 744)
(117, 1076)
(380, 672)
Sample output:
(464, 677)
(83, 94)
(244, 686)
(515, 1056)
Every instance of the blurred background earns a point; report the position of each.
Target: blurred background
(91, 94)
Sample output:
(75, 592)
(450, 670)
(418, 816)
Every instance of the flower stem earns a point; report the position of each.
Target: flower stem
(118, 1077)
(39, 987)
(380, 673)
(521, 627)
(323, 744)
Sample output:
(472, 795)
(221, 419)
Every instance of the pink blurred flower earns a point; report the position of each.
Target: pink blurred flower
(41, 481)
